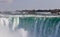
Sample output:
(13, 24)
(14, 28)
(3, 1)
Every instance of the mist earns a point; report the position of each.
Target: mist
(5, 32)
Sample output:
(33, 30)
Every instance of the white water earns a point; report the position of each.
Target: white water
(5, 32)
(29, 27)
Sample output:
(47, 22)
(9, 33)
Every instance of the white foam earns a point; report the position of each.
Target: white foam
(29, 15)
(5, 32)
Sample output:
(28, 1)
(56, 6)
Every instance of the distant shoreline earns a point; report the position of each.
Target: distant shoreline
(33, 12)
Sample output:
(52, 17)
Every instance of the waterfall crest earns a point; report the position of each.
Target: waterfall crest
(30, 27)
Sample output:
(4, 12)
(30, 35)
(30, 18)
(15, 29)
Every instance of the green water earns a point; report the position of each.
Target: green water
(40, 26)
(35, 26)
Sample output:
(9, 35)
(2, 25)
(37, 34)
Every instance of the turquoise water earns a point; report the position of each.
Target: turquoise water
(35, 26)
(40, 26)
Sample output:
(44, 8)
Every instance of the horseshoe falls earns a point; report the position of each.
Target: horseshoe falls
(29, 26)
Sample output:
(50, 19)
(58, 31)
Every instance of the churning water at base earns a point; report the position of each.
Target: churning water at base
(30, 27)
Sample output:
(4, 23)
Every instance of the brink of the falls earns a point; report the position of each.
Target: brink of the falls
(30, 27)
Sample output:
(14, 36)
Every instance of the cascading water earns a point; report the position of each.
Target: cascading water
(30, 27)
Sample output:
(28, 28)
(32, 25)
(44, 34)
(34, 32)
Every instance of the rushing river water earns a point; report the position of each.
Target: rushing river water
(30, 27)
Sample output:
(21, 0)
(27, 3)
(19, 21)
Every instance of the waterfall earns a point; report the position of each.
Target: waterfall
(29, 26)
(8, 26)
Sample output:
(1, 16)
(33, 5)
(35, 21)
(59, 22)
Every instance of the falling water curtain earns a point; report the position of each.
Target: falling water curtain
(36, 26)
